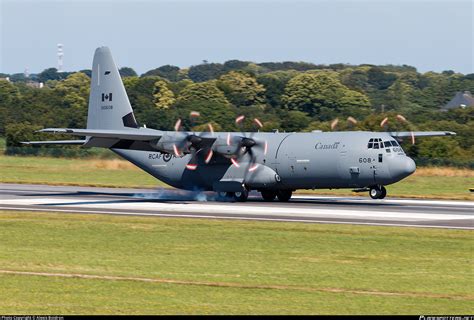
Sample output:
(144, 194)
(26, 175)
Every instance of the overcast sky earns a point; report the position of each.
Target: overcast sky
(430, 35)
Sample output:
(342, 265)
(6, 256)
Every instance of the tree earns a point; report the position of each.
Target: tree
(274, 84)
(379, 79)
(163, 96)
(51, 74)
(205, 72)
(169, 72)
(202, 92)
(9, 100)
(241, 89)
(74, 91)
(16, 133)
(127, 72)
(322, 94)
(209, 101)
(294, 121)
(235, 65)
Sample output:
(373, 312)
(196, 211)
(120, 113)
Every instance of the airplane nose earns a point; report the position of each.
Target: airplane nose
(402, 168)
(410, 166)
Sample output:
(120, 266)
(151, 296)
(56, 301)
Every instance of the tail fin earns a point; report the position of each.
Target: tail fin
(109, 107)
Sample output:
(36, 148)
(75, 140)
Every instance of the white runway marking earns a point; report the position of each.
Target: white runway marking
(389, 201)
(238, 218)
(204, 208)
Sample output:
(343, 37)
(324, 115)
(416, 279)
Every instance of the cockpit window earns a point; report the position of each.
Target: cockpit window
(387, 144)
(375, 143)
(394, 143)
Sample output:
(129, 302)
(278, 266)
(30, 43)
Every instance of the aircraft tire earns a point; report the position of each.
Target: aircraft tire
(376, 192)
(384, 192)
(284, 195)
(241, 196)
(268, 195)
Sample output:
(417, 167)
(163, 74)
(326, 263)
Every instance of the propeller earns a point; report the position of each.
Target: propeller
(248, 145)
(192, 143)
(351, 121)
(401, 119)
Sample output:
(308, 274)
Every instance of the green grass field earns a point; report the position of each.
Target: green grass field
(116, 173)
(231, 267)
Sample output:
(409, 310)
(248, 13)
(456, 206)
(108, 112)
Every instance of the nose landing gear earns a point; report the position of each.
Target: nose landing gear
(378, 192)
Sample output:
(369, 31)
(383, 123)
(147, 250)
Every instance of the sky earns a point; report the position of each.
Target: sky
(433, 35)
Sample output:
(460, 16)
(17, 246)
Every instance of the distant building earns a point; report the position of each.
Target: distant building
(460, 100)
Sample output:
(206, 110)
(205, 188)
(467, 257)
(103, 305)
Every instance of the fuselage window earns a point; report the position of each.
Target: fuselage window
(380, 157)
(387, 150)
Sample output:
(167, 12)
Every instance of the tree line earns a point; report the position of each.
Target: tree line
(288, 96)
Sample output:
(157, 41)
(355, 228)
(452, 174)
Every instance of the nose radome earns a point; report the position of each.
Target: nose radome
(402, 168)
(410, 165)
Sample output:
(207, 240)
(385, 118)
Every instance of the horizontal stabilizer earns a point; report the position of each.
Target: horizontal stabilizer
(141, 134)
(408, 134)
(66, 142)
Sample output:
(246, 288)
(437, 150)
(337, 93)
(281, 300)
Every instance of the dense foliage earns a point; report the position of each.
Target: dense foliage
(291, 96)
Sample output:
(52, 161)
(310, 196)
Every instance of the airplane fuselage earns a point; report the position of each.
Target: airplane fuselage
(291, 161)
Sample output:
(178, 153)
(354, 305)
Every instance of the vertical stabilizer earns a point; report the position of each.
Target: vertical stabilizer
(109, 107)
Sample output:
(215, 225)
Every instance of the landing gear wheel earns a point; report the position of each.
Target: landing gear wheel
(384, 192)
(268, 195)
(221, 195)
(241, 196)
(378, 192)
(284, 195)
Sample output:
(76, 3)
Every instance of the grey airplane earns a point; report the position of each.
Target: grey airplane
(234, 163)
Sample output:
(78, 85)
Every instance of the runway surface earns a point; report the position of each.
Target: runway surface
(302, 208)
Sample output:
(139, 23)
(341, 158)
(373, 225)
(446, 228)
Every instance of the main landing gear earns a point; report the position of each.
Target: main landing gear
(240, 196)
(282, 195)
(267, 195)
(377, 192)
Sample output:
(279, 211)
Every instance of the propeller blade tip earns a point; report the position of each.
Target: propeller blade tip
(191, 166)
(177, 125)
(234, 162)
(239, 119)
(258, 122)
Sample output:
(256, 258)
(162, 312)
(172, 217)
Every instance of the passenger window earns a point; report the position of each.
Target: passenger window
(387, 150)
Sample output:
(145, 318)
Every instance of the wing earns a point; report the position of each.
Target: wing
(134, 139)
(408, 134)
(141, 134)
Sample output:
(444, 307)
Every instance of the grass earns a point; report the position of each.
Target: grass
(81, 172)
(231, 267)
(442, 183)
(2, 145)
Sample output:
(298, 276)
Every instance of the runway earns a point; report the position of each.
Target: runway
(301, 208)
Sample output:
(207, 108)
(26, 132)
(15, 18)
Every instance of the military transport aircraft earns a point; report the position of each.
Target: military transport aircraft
(233, 163)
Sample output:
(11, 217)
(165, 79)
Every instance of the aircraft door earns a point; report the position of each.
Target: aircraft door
(380, 168)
